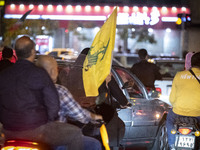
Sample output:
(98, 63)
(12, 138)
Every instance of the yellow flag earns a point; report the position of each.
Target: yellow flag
(104, 137)
(97, 64)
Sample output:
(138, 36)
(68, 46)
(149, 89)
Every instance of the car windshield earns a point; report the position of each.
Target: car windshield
(169, 69)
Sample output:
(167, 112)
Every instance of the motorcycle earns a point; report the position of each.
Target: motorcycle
(16, 144)
(28, 145)
(187, 133)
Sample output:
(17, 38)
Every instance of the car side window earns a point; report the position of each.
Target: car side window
(129, 84)
(54, 54)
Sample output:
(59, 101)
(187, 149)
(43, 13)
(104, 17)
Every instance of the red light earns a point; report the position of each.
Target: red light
(184, 131)
(66, 31)
(159, 90)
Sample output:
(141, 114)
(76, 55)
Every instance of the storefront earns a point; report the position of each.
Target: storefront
(160, 21)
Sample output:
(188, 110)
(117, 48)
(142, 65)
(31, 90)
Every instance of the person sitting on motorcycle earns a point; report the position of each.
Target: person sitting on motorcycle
(69, 108)
(29, 103)
(184, 97)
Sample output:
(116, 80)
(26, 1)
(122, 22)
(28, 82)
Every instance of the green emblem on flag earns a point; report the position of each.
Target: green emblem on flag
(93, 58)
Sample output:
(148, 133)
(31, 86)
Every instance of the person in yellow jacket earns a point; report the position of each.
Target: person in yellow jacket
(184, 96)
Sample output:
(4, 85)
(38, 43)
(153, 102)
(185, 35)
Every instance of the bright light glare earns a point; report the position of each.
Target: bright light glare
(96, 29)
(168, 30)
(150, 30)
(145, 8)
(154, 8)
(50, 7)
(59, 8)
(174, 9)
(88, 8)
(126, 8)
(21, 6)
(12, 6)
(183, 9)
(78, 8)
(135, 8)
(164, 9)
(157, 116)
(31, 6)
(97, 8)
(40, 7)
(79, 29)
(106, 8)
(69, 8)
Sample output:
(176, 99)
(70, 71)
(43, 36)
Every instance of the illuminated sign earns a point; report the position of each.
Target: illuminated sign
(126, 15)
(138, 18)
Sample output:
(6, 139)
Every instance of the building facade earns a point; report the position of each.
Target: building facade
(86, 20)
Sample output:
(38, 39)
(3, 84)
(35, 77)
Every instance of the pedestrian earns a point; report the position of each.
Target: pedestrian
(188, 57)
(147, 72)
(7, 54)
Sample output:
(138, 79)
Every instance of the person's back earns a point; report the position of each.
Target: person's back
(145, 71)
(21, 95)
(5, 62)
(184, 96)
(29, 102)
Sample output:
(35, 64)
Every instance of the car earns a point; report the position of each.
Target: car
(168, 69)
(126, 59)
(63, 53)
(169, 66)
(145, 119)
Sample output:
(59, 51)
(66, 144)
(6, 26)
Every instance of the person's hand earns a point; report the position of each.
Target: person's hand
(126, 106)
(96, 117)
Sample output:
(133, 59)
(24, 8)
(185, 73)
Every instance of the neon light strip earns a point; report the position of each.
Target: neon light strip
(77, 17)
(8, 16)
(60, 17)
(169, 19)
(74, 17)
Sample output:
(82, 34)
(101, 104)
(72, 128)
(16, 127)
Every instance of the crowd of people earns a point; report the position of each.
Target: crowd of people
(33, 106)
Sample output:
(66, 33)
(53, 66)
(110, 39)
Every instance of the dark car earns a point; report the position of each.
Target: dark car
(145, 119)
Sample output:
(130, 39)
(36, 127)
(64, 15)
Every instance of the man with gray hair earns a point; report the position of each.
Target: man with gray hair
(69, 108)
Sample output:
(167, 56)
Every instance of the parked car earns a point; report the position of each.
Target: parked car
(145, 119)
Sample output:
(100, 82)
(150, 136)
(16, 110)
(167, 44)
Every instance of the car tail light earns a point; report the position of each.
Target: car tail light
(184, 131)
(159, 90)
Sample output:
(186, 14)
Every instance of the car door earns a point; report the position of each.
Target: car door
(140, 118)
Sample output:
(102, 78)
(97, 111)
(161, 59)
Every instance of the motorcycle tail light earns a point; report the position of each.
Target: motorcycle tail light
(184, 131)
(197, 133)
(18, 148)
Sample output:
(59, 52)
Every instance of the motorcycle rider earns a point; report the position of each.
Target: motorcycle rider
(184, 97)
(69, 108)
(29, 103)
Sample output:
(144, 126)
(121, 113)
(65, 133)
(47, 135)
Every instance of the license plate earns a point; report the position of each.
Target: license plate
(185, 141)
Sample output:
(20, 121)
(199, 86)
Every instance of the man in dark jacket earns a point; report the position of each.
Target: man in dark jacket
(145, 71)
(29, 102)
(7, 54)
